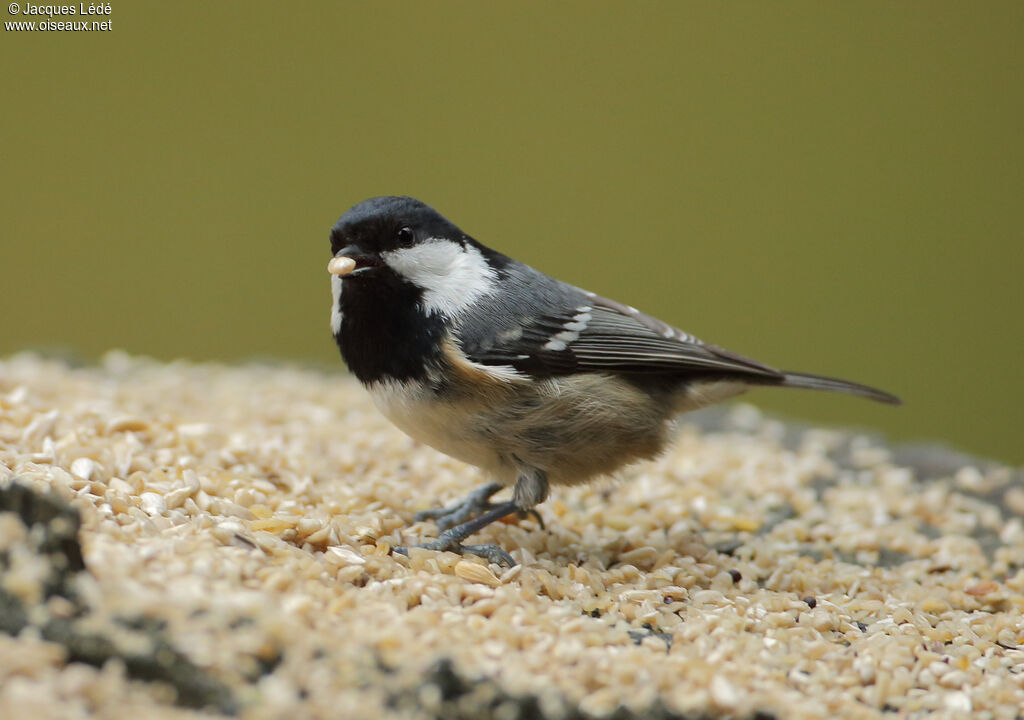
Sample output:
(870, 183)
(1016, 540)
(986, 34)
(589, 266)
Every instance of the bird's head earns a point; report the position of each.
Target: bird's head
(399, 241)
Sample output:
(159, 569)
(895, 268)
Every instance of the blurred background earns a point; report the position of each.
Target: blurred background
(828, 187)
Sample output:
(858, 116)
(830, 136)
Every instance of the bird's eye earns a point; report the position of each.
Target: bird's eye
(405, 236)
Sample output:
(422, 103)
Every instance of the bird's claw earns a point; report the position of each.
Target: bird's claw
(490, 553)
(458, 525)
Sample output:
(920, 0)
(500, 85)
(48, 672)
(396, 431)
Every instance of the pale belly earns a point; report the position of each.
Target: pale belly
(572, 428)
(457, 434)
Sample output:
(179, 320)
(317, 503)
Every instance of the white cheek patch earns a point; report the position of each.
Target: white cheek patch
(452, 277)
(335, 304)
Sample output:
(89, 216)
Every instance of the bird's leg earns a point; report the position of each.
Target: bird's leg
(531, 488)
(475, 503)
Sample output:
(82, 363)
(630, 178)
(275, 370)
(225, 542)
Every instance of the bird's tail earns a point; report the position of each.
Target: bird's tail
(820, 382)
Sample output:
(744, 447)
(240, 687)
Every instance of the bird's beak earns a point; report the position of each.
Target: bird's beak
(349, 261)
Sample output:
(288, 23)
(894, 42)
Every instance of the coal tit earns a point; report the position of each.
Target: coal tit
(532, 380)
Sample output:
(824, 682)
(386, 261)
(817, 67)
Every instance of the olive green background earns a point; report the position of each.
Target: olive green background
(831, 187)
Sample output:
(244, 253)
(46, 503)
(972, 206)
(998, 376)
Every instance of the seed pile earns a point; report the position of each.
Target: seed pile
(238, 520)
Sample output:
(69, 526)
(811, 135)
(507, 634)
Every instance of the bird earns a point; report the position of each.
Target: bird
(532, 380)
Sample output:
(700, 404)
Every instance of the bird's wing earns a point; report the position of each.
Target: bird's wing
(576, 331)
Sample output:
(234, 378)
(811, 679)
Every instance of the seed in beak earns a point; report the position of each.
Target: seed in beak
(341, 266)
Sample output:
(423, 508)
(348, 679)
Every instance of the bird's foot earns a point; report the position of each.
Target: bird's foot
(451, 539)
(476, 503)
(490, 553)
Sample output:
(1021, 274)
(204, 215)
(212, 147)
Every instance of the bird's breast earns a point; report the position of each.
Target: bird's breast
(450, 427)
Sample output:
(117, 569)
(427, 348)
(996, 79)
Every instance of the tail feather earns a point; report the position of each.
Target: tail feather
(820, 382)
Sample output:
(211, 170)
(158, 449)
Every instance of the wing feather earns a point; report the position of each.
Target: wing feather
(576, 331)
